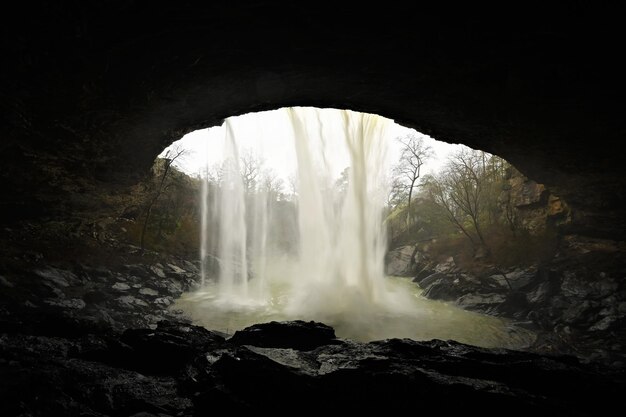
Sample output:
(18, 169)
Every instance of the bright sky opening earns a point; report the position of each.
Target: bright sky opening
(269, 134)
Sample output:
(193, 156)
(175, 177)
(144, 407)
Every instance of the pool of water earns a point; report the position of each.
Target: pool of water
(418, 319)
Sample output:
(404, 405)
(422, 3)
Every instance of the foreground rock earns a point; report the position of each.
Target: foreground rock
(297, 334)
(178, 369)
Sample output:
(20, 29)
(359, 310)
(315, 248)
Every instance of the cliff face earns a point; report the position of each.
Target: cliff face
(535, 208)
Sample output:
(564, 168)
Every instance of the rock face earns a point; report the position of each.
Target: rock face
(401, 261)
(294, 334)
(133, 291)
(536, 208)
(178, 369)
(573, 301)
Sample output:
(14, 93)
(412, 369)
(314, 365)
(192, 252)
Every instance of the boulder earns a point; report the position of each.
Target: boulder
(400, 261)
(167, 348)
(296, 334)
(480, 302)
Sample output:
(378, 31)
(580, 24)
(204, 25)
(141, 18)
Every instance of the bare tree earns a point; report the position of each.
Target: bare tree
(292, 182)
(172, 155)
(250, 167)
(215, 173)
(499, 205)
(397, 193)
(271, 183)
(439, 192)
(466, 183)
(414, 153)
(467, 192)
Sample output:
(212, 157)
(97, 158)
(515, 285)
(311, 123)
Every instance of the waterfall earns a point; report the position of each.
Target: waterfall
(335, 267)
(342, 238)
(314, 251)
(204, 226)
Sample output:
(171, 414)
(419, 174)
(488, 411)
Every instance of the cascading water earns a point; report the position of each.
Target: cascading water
(341, 235)
(342, 239)
(320, 254)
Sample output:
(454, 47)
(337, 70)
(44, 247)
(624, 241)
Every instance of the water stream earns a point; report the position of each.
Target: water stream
(421, 319)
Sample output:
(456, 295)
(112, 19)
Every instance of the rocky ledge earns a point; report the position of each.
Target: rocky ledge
(576, 302)
(179, 369)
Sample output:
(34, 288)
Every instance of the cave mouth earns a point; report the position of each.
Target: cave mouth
(299, 208)
(94, 91)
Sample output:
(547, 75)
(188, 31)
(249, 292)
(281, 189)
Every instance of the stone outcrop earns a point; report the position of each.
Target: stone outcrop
(111, 286)
(297, 334)
(180, 369)
(532, 207)
(576, 302)
(401, 261)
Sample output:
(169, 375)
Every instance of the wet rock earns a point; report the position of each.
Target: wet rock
(295, 359)
(5, 282)
(400, 261)
(136, 269)
(61, 386)
(120, 286)
(605, 287)
(575, 305)
(173, 288)
(516, 279)
(158, 271)
(541, 293)
(73, 303)
(166, 301)
(169, 347)
(574, 286)
(181, 369)
(296, 334)
(448, 287)
(148, 291)
(603, 324)
(424, 271)
(447, 266)
(359, 375)
(176, 269)
(129, 300)
(427, 281)
(100, 319)
(576, 312)
(480, 302)
(58, 277)
(526, 192)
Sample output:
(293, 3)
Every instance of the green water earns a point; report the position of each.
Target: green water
(416, 317)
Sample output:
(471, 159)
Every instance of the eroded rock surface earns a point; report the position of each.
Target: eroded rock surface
(573, 301)
(179, 369)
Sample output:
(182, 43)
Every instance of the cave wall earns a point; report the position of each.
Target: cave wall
(92, 92)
